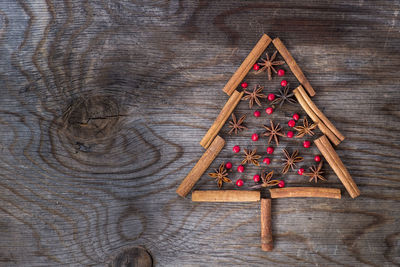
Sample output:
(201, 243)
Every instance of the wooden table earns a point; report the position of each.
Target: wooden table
(103, 105)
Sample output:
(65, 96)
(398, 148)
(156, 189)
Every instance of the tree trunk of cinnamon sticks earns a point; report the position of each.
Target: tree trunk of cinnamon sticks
(267, 243)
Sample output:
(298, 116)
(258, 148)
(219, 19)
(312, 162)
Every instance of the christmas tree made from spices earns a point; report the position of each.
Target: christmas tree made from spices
(213, 143)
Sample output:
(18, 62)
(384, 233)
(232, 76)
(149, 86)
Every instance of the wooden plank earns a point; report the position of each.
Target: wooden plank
(293, 65)
(247, 64)
(201, 166)
(140, 79)
(221, 119)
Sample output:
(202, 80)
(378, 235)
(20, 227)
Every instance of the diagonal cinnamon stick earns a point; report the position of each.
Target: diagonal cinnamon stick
(320, 114)
(247, 64)
(201, 166)
(325, 130)
(337, 165)
(267, 243)
(221, 119)
(293, 65)
(305, 192)
(225, 196)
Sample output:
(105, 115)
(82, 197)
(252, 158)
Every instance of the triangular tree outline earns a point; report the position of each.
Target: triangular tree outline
(213, 144)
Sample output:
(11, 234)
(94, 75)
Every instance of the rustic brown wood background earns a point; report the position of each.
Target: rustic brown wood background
(103, 105)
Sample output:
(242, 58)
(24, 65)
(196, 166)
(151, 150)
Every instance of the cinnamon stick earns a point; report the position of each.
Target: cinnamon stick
(337, 165)
(225, 196)
(247, 64)
(320, 114)
(267, 243)
(201, 166)
(221, 119)
(325, 130)
(305, 192)
(293, 65)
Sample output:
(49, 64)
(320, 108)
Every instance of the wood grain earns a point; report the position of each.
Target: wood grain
(103, 105)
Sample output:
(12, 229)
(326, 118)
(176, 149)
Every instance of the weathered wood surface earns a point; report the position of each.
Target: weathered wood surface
(103, 105)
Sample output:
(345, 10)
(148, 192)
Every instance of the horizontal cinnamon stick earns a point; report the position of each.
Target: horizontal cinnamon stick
(225, 196)
(320, 115)
(201, 166)
(305, 192)
(221, 119)
(293, 65)
(247, 64)
(267, 243)
(337, 165)
(325, 130)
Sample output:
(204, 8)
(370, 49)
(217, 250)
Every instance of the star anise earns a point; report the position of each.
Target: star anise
(251, 157)
(236, 125)
(266, 180)
(283, 97)
(305, 129)
(268, 64)
(273, 132)
(254, 96)
(316, 173)
(290, 160)
(220, 175)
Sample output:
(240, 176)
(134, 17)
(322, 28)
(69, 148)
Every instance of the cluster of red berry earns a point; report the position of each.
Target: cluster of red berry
(270, 150)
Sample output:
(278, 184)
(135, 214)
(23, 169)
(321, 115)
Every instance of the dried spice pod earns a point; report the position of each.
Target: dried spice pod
(273, 132)
(290, 160)
(236, 125)
(283, 96)
(251, 157)
(266, 180)
(220, 175)
(268, 64)
(254, 96)
(316, 173)
(305, 129)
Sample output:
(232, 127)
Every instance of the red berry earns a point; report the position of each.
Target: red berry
(256, 178)
(254, 137)
(257, 113)
(271, 97)
(290, 134)
(283, 83)
(281, 72)
(256, 67)
(296, 116)
(300, 171)
(269, 110)
(228, 165)
(306, 144)
(236, 149)
(291, 123)
(317, 158)
(239, 182)
(270, 150)
(244, 85)
(266, 161)
(281, 183)
(240, 168)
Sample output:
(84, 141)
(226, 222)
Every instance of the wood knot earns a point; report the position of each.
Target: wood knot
(133, 257)
(91, 118)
